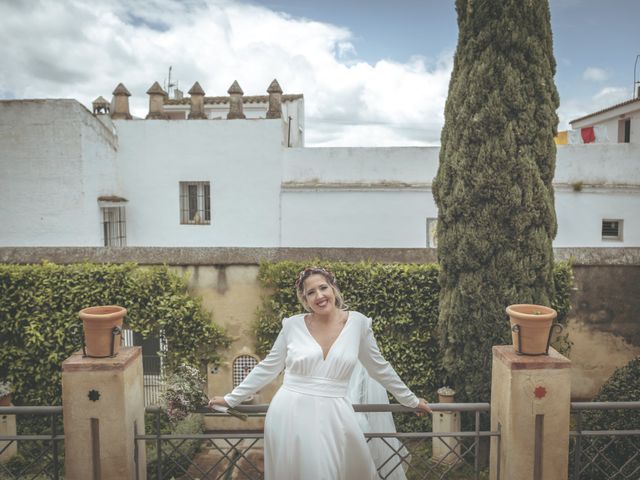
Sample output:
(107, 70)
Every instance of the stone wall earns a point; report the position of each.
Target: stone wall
(604, 324)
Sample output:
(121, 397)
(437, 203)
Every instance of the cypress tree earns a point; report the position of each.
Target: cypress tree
(496, 216)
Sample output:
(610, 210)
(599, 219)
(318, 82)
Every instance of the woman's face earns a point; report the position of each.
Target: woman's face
(319, 294)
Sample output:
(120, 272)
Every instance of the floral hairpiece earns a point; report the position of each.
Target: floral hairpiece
(302, 276)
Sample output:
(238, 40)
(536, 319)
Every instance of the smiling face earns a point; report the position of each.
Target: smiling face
(319, 295)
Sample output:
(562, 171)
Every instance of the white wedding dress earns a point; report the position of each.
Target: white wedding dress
(311, 431)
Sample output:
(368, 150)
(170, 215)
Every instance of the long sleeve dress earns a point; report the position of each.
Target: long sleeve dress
(311, 431)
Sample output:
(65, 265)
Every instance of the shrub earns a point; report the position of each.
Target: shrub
(39, 324)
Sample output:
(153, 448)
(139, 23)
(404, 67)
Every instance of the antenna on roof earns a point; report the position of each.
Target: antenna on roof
(636, 80)
(172, 88)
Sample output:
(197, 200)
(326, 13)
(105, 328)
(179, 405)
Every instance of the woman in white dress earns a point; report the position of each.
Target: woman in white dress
(311, 431)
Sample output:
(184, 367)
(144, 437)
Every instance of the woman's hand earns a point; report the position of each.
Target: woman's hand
(220, 401)
(423, 407)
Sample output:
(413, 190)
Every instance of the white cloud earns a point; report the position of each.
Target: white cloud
(79, 49)
(576, 108)
(595, 74)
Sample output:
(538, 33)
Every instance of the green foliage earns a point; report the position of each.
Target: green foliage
(622, 386)
(493, 189)
(40, 327)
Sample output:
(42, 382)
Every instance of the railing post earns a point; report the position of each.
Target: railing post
(102, 399)
(530, 404)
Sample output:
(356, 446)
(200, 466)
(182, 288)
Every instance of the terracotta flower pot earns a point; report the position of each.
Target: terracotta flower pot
(531, 328)
(102, 330)
(5, 400)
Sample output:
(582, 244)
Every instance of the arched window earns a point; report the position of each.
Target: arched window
(242, 365)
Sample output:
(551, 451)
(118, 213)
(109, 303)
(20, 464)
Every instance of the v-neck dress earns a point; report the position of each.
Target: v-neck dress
(311, 431)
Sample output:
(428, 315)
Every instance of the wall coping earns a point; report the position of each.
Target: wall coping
(254, 256)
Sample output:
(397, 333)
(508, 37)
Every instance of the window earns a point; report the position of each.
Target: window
(624, 131)
(612, 229)
(432, 235)
(242, 365)
(114, 229)
(195, 203)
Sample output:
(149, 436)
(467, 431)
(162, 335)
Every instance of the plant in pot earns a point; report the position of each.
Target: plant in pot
(6, 393)
(531, 328)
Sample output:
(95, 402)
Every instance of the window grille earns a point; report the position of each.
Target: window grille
(612, 229)
(242, 365)
(114, 227)
(195, 203)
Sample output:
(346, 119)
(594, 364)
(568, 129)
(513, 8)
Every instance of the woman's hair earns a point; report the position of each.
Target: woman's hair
(328, 276)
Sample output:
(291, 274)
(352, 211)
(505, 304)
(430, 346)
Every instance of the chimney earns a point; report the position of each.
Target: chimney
(100, 106)
(121, 103)
(156, 102)
(235, 101)
(197, 102)
(275, 100)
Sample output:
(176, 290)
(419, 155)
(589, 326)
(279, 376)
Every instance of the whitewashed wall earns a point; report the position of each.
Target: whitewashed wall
(240, 158)
(55, 160)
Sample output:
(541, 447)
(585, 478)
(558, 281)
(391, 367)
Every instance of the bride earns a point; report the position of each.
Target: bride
(311, 431)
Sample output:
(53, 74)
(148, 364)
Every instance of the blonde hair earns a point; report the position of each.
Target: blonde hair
(328, 276)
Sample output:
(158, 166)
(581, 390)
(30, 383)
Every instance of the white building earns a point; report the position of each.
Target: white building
(70, 177)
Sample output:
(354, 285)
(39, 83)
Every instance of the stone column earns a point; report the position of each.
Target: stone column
(156, 102)
(447, 449)
(275, 100)
(103, 407)
(197, 102)
(121, 103)
(235, 102)
(7, 428)
(530, 404)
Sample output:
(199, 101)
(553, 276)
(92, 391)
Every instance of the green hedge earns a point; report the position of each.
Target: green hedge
(402, 299)
(40, 327)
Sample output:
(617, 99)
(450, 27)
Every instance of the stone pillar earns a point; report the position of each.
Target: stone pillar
(530, 404)
(7, 428)
(121, 103)
(103, 406)
(447, 449)
(275, 100)
(235, 102)
(156, 102)
(197, 102)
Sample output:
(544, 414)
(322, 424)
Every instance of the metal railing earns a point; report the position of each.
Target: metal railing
(222, 455)
(36, 450)
(604, 454)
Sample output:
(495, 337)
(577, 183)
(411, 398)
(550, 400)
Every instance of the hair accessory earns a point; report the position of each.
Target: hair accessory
(307, 272)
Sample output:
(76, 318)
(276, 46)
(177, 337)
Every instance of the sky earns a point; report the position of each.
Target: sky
(373, 72)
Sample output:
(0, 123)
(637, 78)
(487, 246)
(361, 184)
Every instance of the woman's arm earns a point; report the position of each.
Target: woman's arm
(263, 373)
(381, 370)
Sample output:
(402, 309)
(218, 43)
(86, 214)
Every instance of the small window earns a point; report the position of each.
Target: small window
(242, 365)
(114, 227)
(612, 229)
(432, 234)
(624, 130)
(195, 203)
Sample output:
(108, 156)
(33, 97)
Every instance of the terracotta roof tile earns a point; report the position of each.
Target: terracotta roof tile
(289, 97)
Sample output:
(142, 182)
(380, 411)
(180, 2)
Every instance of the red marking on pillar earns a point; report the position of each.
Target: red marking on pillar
(540, 392)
